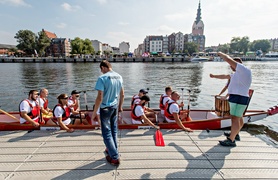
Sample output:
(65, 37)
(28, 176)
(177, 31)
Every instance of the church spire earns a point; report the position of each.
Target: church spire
(198, 18)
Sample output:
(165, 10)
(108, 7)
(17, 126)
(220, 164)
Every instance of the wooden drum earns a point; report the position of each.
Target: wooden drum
(222, 107)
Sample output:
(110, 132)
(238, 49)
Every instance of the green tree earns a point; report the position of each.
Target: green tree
(224, 48)
(263, 45)
(77, 46)
(190, 48)
(240, 44)
(244, 44)
(26, 41)
(88, 47)
(42, 43)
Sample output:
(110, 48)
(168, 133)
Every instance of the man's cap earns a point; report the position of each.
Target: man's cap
(75, 92)
(145, 97)
(144, 91)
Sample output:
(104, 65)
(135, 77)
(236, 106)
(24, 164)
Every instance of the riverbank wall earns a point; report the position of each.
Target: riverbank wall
(94, 60)
(89, 60)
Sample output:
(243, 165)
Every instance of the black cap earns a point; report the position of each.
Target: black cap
(74, 92)
(143, 91)
(145, 97)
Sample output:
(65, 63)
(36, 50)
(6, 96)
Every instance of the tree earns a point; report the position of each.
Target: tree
(240, 44)
(79, 46)
(190, 48)
(42, 43)
(88, 47)
(26, 41)
(263, 45)
(224, 48)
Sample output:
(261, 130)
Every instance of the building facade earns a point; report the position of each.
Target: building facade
(179, 42)
(97, 45)
(171, 43)
(198, 30)
(124, 47)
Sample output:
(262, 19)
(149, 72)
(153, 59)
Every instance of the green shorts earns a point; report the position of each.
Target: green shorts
(237, 109)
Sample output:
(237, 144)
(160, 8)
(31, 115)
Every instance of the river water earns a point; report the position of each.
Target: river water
(18, 78)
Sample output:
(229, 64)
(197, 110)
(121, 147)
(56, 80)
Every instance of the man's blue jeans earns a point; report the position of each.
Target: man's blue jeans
(109, 128)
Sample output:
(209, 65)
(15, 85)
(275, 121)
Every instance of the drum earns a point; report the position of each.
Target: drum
(222, 107)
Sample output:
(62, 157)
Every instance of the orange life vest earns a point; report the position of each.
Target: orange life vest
(65, 115)
(35, 110)
(161, 105)
(132, 101)
(133, 115)
(167, 111)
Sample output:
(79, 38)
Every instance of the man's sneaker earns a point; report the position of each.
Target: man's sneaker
(114, 162)
(228, 142)
(228, 135)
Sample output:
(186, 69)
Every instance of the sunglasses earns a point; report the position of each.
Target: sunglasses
(66, 98)
(77, 96)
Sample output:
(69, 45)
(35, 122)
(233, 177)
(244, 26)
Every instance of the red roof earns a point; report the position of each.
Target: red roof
(50, 35)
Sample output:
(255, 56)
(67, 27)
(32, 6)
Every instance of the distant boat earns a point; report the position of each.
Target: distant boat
(271, 56)
(199, 59)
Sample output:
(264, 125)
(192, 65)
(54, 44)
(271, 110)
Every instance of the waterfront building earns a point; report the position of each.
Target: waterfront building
(59, 47)
(179, 42)
(155, 44)
(97, 45)
(273, 44)
(124, 47)
(5, 49)
(171, 43)
(198, 30)
(116, 50)
(107, 48)
(165, 45)
(146, 44)
(139, 50)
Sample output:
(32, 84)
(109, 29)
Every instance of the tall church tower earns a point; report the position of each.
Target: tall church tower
(198, 25)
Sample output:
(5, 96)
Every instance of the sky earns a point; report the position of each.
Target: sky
(115, 21)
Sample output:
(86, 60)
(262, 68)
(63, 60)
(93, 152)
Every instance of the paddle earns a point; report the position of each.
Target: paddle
(188, 107)
(182, 97)
(85, 99)
(9, 114)
(41, 118)
(159, 140)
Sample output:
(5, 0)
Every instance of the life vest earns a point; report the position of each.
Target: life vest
(133, 115)
(74, 102)
(161, 105)
(133, 99)
(35, 110)
(167, 111)
(45, 104)
(65, 115)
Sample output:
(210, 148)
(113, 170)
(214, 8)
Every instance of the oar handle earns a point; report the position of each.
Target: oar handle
(182, 97)
(9, 114)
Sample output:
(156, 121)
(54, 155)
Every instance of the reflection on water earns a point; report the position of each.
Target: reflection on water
(17, 79)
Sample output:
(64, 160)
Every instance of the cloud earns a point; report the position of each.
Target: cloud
(15, 3)
(69, 7)
(102, 1)
(164, 29)
(175, 16)
(61, 25)
(123, 23)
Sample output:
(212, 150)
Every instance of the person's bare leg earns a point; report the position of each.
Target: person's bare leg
(235, 128)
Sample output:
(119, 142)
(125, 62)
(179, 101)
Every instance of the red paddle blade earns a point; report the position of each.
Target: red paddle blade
(159, 141)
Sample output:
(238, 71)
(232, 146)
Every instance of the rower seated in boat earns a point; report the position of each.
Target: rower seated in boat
(61, 114)
(172, 111)
(29, 110)
(73, 102)
(164, 98)
(138, 112)
(43, 102)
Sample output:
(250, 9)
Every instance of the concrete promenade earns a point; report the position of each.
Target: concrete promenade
(80, 155)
